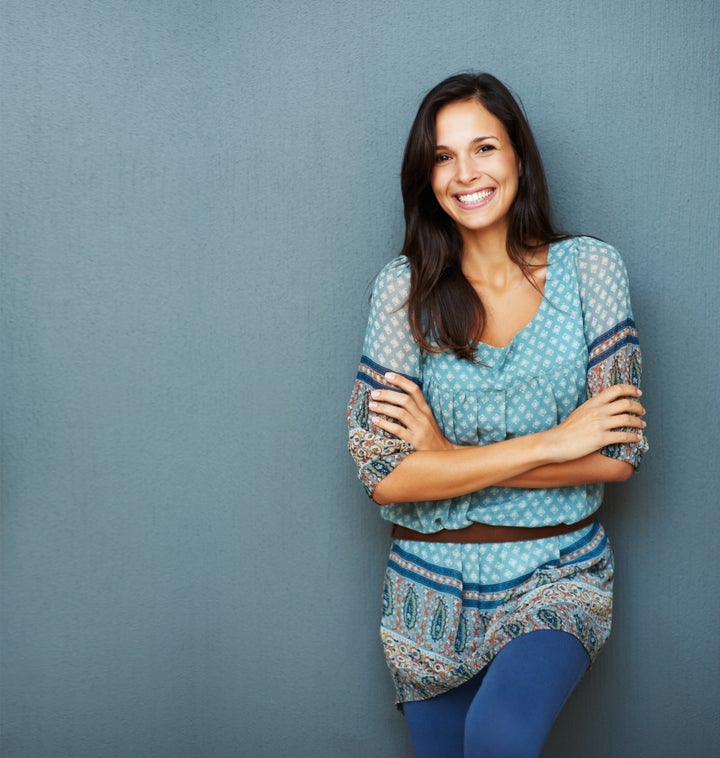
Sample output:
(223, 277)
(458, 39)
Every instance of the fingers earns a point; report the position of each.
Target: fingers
(390, 402)
(397, 420)
(616, 391)
(631, 406)
(396, 412)
(619, 399)
(398, 380)
(411, 389)
(395, 409)
(407, 396)
(612, 417)
(617, 437)
(404, 412)
(628, 419)
(397, 430)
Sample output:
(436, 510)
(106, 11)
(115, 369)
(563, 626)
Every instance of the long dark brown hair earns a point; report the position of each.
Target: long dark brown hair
(444, 311)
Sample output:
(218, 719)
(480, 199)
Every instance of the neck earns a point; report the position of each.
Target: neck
(485, 257)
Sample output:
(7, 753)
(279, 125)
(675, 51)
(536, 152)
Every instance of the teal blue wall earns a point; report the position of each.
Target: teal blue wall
(194, 198)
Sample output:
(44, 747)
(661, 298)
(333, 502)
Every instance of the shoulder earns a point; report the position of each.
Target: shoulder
(591, 253)
(396, 270)
(598, 263)
(393, 281)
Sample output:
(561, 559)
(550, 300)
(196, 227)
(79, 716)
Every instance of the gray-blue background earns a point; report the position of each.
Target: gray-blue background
(195, 196)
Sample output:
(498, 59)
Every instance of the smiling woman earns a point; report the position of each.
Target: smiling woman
(475, 178)
(497, 391)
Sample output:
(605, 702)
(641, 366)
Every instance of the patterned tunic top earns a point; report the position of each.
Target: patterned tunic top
(581, 340)
(449, 608)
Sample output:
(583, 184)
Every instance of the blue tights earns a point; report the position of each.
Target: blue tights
(510, 715)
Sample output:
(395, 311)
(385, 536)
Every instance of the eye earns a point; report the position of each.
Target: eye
(442, 158)
(486, 148)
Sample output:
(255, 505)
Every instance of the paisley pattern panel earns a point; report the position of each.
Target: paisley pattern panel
(444, 622)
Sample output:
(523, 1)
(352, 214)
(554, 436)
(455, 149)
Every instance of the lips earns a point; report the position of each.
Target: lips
(475, 198)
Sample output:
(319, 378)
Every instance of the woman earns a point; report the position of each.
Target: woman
(497, 393)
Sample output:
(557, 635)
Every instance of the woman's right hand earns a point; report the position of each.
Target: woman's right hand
(610, 418)
(407, 415)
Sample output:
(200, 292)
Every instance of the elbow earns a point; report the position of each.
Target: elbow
(380, 496)
(391, 488)
(623, 471)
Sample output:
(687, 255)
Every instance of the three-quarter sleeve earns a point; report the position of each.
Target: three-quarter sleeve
(388, 346)
(610, 332)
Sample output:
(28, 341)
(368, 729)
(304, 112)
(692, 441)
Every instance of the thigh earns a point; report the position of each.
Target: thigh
(437, 725)
(523, 691)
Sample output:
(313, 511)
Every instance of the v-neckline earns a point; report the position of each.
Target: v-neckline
(541, 306)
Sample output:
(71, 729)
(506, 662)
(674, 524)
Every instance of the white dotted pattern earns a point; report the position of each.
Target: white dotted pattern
(530, 385)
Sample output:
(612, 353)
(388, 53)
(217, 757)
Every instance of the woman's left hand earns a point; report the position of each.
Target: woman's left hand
(408, 416)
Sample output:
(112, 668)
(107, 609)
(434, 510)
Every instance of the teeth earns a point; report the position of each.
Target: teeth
(476, 197)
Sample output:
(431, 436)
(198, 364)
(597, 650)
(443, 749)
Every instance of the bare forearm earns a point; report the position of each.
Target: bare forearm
(435, 475)
(434, 472)
(591, 469)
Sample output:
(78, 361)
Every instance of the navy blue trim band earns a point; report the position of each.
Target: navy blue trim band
(375, 385)
(485, 589)
(420, 579)
(629, 339)
(583, 540)
(383, 370)
(449, 573)
(609, 333)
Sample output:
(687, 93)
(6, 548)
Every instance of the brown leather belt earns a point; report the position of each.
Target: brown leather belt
(488, 533)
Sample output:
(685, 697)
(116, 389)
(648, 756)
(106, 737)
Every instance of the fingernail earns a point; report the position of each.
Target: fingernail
(375, 393)
(373, 405)
(639, 392)
(390, 376)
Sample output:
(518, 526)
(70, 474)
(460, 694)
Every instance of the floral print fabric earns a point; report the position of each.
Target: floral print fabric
(581, 340)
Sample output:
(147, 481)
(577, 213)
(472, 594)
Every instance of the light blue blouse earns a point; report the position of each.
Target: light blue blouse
(581, 340)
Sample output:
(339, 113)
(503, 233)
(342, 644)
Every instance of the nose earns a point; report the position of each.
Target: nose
(466, 171)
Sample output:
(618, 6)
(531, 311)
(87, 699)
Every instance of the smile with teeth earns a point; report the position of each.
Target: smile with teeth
(475, 197)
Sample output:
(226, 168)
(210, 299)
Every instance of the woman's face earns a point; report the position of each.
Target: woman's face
(475, 177)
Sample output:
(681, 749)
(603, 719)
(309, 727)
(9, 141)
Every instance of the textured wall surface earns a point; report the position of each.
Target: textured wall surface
(195, 196)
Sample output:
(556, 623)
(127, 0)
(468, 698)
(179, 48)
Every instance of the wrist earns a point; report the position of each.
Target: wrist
(548, 447)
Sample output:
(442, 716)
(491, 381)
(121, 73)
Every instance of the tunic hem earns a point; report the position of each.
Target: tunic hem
(440, 628)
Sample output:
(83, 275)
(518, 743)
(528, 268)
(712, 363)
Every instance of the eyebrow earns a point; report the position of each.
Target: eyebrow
(472, 142)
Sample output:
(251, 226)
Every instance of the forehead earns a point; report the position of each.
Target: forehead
(466, 120)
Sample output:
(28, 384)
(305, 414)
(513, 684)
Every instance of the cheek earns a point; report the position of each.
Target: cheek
(513, 175)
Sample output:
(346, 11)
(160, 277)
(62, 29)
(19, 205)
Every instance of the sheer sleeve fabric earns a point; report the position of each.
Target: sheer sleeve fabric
(610, 332)
(388, 346)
